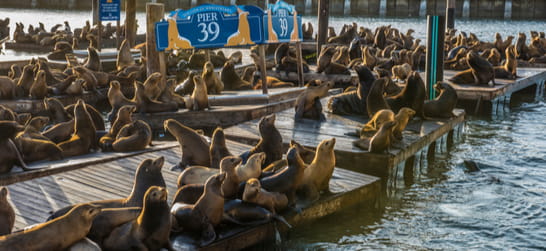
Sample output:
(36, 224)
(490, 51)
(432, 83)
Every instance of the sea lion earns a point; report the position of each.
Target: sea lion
(91, 82)
(194, 148)
(85, 244)
(123, 118)
(134, 136)
(198, 100)
(272, 201)
(509, 69)
(288, 179)
(7, 214)
(205, 214)
(145, 105)
(375, 100)
(232, 80)
(124, 58)
(187, 86)
(325, 58)
(402, 119)
(25, 81)
(15, 72)
(252, 168)
(231, 182)
(169, 96)
(153, 85)
(116, 100)
(482, 70)
(84, 137)
(38, 90)
(150, 231)
(147, 174)
(9, 153)
(413, 96)
(110, 218)
(93, 60)
(57, 234)
(75, 88)
(316, 177)
(442, 106)
(33, 145)
(380, 142)
(195, 175)
(270, 141)
(218, 149)
(378, 119)
(7, 88)
(401, 71)
(213, 83)
(354, 102)
(249, 214)
(307, 30)
(308, 103)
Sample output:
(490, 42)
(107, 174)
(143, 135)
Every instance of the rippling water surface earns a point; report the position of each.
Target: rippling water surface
(501, 207)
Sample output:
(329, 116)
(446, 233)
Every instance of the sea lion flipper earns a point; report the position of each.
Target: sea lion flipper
(208, 235)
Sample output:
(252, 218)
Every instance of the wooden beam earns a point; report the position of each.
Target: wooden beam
(450, 14)
(322, 32)
(130, 22)
(95, 11)
(155, 59)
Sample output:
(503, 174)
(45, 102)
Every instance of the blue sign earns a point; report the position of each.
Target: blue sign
(109, 10)
(282, 23)
(210, 26)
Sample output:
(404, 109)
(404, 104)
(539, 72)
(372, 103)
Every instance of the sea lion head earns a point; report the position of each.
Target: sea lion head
(208, 67)
(8, 129)
(406, 111)
(155, 194)
(150, 169)
(326, 146)
(115, 84)
(154, 77)
(126, 111)
(197, 80)
(214, 183)
(40, 76)
(3, 194)
(364, 73)
(6, 113)
(218, 137)
(87, 211)
(229, 163)
(293, 158)
(38, 122)
(266, 122)
(252, 188)
(257, 158)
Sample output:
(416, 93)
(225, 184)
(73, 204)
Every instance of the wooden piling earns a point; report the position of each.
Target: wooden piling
(322, 32)
(130, 22)
(156, 60)
(435, 52)
(95, 11)
(450, 14)
(508, 9)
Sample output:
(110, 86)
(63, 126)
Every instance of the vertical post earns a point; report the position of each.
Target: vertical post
(435, 52)
(118, 30)
(263, 69)
(308, 4)
(300, 63)
(99, 35)
(382, 8)
(156, 60)
(95, 10)
(347, 7)
(423, 8)
(466, 8)
(130, 22)
(323, 14)
(450, 14)
(508, 9)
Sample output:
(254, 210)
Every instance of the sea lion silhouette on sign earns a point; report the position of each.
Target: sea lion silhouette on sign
(242, 35)
(272, 34)
(295, 32)
(175, 40)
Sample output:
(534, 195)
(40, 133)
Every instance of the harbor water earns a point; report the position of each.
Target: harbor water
(502, 206)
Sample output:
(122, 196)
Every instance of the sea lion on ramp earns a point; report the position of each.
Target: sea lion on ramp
(373, 125)
(380, 142)
(57, 234)
(147, 174)
(195, 175)
(7, 214)
(316, 177)
(38, 90)
(33, 145)
(134, 136)
(96, 116)
(481, 69)
(153, 86)
(443, 105)
(205, 214)
(116, 99)
(252, 168)
(413, 96)
(93, 60)
(272, 201)
(194, 148)
(150, 231)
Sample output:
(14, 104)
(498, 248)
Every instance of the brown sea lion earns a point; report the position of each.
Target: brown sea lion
(153, 85)
(110, 218)
(15, 71)
(213, 83)
(232, 80)
(123, 118)
(187, 86)
(198, 101)
(147, 174)
(252, 168)
(194, 148)
(442, 106)
(306, 154)
(7, 214)
(134, 136)
(354, 102)
(218, 149)
(25, 81)
(308, 103)
(116, 99)
(375, 100)
(38, 90)
(145, 105)
(150, 231)
(9, 153)
(124, 58)
(195, 175)
(402, 119)
(288, 179)
(316, 176)
(231, 182)
(509, 69)
(381, 141)
(401, 71)
(325, 58)
(7, 88)
(57, 234)
(91, 82)
(206, 214)
(270, 141)
(84, 137)
(93, 60)
(413, 96)
(169, 96)
(373, 125)
(272, 201)
(481, 69)
(33, 145)
(85, 244)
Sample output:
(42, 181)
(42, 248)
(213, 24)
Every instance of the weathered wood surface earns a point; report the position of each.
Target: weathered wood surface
(32, 47)
(254, 97)
(312, 75)
(527, 77)
(33, 200)
(46, 168)
(310, 133)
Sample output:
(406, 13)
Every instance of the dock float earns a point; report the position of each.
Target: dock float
(33, 200)
(418, 134)
(485, 99)
(340, 79)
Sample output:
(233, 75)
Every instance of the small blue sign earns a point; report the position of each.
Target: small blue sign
(210, 26)
(109, 10)
(282, 23)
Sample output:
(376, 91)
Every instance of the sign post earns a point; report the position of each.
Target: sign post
(109, 10)
(435, 52)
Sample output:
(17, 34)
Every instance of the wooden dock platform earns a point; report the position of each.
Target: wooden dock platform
(485, 99)
(33, 200)
(338, 79)
(417, 135)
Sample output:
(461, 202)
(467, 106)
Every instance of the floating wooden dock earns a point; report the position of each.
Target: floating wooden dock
(417, 135)
(485, 99)
(33, 47)
(341, 79)
(33, 200)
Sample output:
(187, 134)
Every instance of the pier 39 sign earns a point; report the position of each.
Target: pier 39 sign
(215, 26)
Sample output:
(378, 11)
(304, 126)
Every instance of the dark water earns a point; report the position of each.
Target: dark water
(501, 207)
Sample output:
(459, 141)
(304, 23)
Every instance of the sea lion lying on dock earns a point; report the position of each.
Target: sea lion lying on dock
(308, 103)
(443, 105)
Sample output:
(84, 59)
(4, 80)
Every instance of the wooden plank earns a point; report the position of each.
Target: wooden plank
(45, 168)
(312, 75)
(417, 135)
